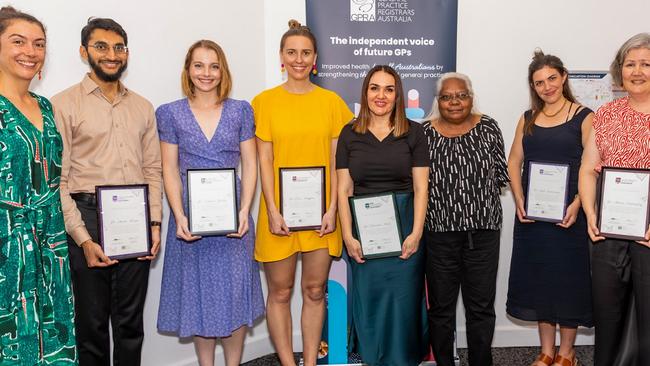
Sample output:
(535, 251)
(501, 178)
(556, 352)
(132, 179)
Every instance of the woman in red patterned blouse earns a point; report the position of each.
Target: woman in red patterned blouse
(620, 138)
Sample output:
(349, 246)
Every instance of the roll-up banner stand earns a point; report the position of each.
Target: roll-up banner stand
(415, 37)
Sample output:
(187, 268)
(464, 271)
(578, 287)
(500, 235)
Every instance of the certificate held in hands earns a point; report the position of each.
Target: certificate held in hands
(212, 201)
(376, 221)
(302, 197)
(123, 216)
(548, 187)
(623, 197)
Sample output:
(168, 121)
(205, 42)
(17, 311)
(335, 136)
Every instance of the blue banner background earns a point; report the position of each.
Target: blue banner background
(416, 37)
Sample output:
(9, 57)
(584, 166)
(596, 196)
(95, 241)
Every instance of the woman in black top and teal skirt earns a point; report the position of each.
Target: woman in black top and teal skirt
(382, 151)
(463, 224)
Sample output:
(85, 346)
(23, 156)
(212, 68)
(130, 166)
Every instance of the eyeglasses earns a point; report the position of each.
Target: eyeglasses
(462, 96)
(103, 47)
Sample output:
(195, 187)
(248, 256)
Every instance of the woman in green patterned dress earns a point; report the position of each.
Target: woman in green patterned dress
(36, 305)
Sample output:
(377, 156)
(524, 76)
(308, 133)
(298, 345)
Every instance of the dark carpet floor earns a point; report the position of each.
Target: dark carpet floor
(512, 356)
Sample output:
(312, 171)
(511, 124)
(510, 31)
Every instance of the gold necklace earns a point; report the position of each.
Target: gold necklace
(556, 113)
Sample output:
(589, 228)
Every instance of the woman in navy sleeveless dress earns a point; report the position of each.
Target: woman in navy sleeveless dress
(549, 273)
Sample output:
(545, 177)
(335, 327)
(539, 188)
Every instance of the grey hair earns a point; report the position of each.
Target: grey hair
(641, 40)
(435, 111)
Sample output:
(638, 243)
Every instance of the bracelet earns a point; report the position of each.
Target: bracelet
(156, 223)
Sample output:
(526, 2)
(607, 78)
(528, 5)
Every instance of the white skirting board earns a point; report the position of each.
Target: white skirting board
(262, 346)
(425, 363)
(504, 336)
(524, 336)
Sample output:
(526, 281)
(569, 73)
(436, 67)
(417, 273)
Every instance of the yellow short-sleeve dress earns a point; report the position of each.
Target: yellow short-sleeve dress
(301, 128)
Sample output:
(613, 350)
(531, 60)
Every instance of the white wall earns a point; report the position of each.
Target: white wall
(160, 33)
(496, 40)
(495, 44)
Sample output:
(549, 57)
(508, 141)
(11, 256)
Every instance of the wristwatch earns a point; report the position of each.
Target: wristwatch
(156, 223)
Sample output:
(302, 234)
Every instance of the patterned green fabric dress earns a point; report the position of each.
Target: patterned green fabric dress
(36, 304)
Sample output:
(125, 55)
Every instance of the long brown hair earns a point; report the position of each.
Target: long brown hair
(540, 60)
(398, 120)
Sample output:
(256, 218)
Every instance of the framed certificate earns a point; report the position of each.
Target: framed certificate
(623, 210)
(376, 221)
(548, 189)
(302, 197)
(123, 217)
(212, 201)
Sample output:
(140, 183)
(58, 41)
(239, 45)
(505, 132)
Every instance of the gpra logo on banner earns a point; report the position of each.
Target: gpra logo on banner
(363, 10)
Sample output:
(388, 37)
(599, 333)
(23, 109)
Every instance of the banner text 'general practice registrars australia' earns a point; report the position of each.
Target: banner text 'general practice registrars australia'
(416, 37)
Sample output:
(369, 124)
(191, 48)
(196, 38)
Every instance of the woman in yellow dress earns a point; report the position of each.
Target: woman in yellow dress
(297, 125)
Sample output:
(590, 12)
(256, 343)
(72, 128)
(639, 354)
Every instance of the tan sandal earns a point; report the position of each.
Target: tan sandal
(563, 361)
(543, 358)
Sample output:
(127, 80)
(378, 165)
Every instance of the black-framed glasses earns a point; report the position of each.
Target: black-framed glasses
(103, 47)
(462, 96)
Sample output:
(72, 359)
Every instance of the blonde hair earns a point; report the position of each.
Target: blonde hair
(297, 29)
(225, 85)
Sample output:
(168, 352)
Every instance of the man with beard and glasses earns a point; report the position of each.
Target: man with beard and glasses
(109, 138)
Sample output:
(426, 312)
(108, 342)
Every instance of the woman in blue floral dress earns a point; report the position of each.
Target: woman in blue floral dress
(211, 286)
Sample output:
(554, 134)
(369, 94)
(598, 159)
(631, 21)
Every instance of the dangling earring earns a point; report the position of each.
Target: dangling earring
(282, 70)
(40, 75)
(313, 69)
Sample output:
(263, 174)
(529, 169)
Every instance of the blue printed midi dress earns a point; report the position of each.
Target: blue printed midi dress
(210, 287)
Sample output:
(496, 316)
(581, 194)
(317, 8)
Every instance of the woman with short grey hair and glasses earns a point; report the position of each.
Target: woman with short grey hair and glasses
(464, 216)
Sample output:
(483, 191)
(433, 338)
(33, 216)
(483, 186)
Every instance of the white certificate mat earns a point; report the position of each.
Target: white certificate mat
(546, 197)
(212, 201)
(377, 223)
(302, 197)
(124, 225)
(623, 201)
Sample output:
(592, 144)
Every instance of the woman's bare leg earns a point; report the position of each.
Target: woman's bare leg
(315, 271)
(280, 277)
(233, 346)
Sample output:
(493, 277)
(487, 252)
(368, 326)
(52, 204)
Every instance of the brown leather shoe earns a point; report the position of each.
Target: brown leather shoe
(543, 358)
(563, 361)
